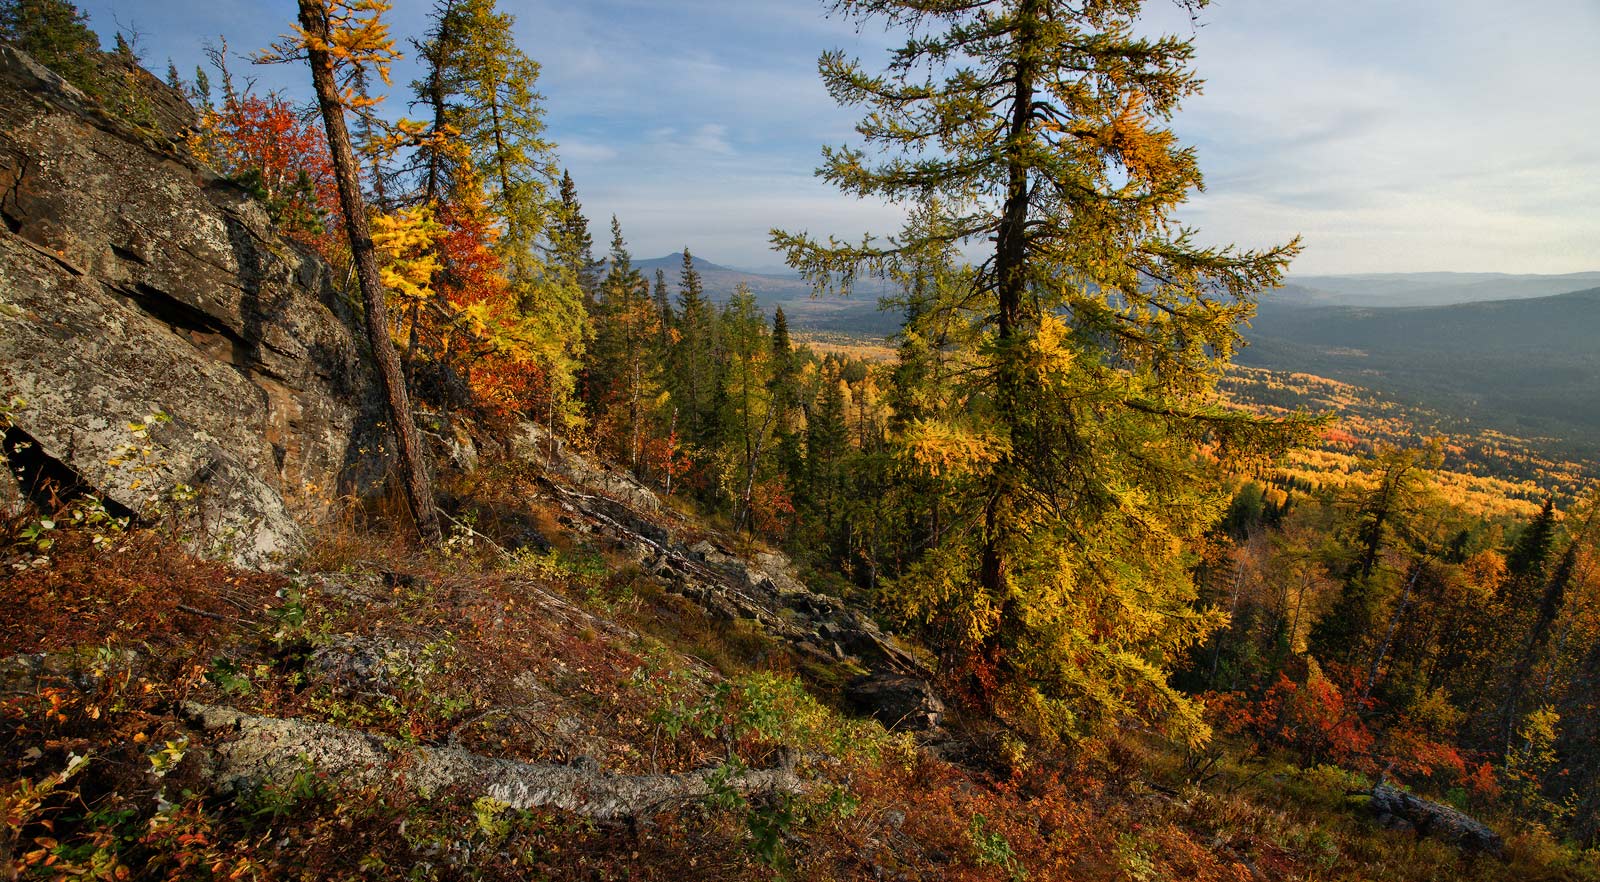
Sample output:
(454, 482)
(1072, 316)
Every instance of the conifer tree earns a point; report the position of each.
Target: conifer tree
(785, 373)
(1550, 602)
(624, 372)
(574, 246)
(1041, 130)
(663, 302)
(693, 359)
(827, 442)
(333, 36)
(749, 388)
(1529, 557)
(1384, 514)
(57, 35)
(480, 88)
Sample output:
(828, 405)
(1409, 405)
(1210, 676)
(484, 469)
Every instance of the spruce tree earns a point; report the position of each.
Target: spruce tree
(1384, 515)
(694, 360)
(1039, 126)
(623, 376)
(57, 35)
(574, 245)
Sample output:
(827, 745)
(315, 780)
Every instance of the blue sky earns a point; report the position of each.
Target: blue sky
(1395, 136)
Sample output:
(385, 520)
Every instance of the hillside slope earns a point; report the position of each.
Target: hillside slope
(1427, 289)
(582, 685)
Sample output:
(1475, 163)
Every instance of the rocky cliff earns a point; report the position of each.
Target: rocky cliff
(136, 282)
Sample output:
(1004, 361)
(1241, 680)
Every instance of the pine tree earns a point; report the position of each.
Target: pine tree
(1041, 130)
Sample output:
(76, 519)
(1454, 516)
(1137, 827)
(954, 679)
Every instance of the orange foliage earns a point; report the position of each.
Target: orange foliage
(1314, 718)
(266, 145)
(771, 509)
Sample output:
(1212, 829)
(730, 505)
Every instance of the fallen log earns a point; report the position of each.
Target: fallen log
(1397, 809)
(268, 749)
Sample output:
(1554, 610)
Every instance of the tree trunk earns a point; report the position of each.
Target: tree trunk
(1010, 267)
(413, 465)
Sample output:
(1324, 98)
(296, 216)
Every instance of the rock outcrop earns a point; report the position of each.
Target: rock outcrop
(1397, 809)
(894, 687)
(134, 281)
(255, 750)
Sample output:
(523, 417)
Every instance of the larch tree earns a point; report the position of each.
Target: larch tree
(479, 87)
(336, 38)
(1089, 427)
(483, 85)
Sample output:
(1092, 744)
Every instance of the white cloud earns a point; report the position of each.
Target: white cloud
(1429, 134)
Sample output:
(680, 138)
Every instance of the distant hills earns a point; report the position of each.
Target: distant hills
(857, 314)
(1514, 353)
(1426, 289)
(1529, 366)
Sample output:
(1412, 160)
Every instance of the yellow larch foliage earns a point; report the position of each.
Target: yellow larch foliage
(405, 240)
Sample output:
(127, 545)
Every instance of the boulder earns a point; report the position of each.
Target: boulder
(897, 701)
(1398, 809)
(136, 283)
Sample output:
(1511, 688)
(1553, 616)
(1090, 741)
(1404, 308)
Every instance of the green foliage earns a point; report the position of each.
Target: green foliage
(57, 34)
(991, 849)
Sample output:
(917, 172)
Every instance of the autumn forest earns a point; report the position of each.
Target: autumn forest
(1183, 618)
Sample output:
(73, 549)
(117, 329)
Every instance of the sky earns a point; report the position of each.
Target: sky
(1421, 135)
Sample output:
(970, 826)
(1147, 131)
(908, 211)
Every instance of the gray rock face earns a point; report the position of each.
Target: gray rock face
(136, 282)
(1398, 809)
(898, 702)
(267, 749)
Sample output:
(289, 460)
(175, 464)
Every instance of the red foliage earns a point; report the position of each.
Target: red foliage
(266, 144)
(1415, 753)
(771, 509)
(1313, 718)
(1482, 781)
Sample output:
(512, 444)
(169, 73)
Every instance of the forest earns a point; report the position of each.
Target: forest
(1050, 482)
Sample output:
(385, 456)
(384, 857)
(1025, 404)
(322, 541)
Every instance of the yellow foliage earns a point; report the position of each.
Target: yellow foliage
(357, 36)
(405, 241)
(1052, 350)
(946, 450)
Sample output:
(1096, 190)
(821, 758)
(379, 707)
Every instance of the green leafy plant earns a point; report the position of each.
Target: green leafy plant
(992, 849)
